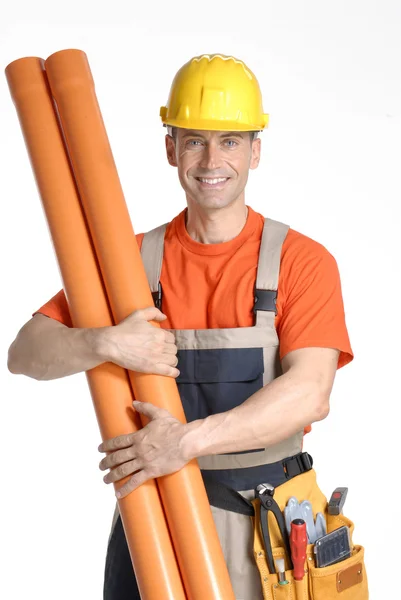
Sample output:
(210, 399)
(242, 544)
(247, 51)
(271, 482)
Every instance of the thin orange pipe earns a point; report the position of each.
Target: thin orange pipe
(145, 526)
(183, 494)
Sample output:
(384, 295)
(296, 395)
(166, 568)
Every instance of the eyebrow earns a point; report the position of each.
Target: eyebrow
(225, 135)
(232, 134)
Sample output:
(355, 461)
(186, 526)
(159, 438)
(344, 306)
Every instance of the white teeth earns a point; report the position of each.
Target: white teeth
(212, 181)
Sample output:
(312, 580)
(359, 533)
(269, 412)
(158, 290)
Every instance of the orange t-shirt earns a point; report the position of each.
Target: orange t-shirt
(207, 286)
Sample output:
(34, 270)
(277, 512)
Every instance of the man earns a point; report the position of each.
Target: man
(252, 315)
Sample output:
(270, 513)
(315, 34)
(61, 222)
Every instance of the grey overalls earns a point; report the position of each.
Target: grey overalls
(220, 369)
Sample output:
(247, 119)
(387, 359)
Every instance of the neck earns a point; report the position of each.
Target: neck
(216, 226)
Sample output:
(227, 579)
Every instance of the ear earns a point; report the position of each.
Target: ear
(255, 157)
(170, 150)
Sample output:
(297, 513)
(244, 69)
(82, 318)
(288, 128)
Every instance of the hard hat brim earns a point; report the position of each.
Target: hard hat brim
(211, 125)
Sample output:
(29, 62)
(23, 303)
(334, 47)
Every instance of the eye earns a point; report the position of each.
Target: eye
(231, 143)
(194, 143)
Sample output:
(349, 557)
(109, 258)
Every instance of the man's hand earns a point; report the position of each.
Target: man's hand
(136, 345)
(155, 450)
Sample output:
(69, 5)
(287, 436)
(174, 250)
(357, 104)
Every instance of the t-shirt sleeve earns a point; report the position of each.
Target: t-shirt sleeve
(57, 307)
(312, 308)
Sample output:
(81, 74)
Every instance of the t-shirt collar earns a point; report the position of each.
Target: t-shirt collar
(215, 249)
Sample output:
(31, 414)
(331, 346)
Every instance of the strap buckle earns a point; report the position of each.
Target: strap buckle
(265, 300)
(295, 465)
(157, 297)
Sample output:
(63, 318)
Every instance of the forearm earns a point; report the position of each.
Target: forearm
(50, 351)
(274, 413)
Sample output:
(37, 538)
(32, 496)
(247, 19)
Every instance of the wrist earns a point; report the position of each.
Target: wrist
(98, 340)
(192, 439)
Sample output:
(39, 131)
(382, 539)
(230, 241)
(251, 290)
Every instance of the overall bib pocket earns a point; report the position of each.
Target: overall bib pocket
(216, 380)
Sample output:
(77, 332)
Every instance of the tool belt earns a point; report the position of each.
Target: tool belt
(225, 497)
(294, 476)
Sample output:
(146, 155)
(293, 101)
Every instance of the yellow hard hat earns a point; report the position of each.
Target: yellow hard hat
(216, 93)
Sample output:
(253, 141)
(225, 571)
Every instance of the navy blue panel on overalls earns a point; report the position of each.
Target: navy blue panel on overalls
(214, 381)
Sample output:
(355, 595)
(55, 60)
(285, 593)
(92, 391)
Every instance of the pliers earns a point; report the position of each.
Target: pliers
(265, 493)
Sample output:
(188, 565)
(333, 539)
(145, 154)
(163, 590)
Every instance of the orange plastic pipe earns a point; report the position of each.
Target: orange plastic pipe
(144, 522)
(183, 494)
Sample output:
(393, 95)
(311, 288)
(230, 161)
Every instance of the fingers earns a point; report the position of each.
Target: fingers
(116, 458)
(122, 441)
(134, 482)
(166, 370)
(154, 314)
(122, 471)
(169, 337)
(151, 313)
(165, 363)
(163, 335)
(150, 410)
(145, 348)
(158, 368)
(170, 348)
(168, 359)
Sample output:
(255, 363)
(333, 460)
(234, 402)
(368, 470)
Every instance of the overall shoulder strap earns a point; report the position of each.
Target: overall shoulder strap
(152, 255)
(273, 236)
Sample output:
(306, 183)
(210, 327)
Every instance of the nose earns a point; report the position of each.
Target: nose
(210, 157)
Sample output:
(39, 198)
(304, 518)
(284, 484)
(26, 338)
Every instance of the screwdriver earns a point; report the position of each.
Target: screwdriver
(298, 543)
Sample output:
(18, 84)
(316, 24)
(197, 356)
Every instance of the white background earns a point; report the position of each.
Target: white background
(330, 74)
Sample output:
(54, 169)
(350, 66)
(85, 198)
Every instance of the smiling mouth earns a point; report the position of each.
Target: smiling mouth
(212, 183)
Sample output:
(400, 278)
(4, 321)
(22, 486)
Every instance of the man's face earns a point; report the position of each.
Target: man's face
(213, 166)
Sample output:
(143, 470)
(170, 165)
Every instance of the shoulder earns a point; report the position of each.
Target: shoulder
(300, 252)
(169, 229)
(297, 246)
(165, 227)
(305, 262)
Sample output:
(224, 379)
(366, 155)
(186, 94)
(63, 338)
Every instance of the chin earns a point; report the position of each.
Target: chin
(213, 202)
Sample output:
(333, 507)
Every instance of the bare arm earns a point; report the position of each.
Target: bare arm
(46, 349)
(294, 400)
(281, 408)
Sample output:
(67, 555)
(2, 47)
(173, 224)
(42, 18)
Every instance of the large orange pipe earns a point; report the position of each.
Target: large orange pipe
(184, 497)
(144, 522)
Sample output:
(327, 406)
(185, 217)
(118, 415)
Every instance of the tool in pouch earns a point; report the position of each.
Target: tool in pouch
(329, 548)
(334, 547)
(337, 500)
(303, 510)
(294, 545)
(298, 543)
(312, 566)
(265, 493)
(346, 580)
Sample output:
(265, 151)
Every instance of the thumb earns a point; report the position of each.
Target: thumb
(152, 314)
(150, 410)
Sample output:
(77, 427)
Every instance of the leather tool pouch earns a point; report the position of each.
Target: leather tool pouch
(345, 580)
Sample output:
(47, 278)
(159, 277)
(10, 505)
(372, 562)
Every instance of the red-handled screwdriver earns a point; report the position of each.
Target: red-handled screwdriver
(298, 543)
